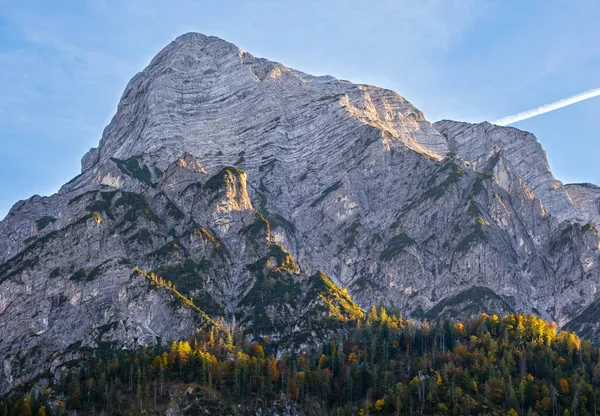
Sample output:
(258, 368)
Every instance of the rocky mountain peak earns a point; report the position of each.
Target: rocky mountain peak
(229, 186)
(184, 52)
(204, 96)
(522, 152)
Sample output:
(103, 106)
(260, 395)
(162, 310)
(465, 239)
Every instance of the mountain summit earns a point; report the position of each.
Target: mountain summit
(229, 189)
(203, 95)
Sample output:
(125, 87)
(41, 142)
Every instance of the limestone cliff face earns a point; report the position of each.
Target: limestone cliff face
(241, 181)
(586, 198)
(522, 153)
(125, 268)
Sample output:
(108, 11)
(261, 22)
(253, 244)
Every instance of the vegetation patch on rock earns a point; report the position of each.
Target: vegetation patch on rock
(222, 178)
(395, 246)
(325, 193)
(44, 222)
(132, 167)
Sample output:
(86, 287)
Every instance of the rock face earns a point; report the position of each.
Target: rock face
(238, 180)
(521, 154)
(586, 198)
(117, 267)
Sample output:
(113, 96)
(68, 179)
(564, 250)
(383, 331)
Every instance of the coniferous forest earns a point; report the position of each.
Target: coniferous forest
(382, 364)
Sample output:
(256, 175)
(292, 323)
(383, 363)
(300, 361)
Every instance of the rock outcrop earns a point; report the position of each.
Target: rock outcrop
(522, 154)
(241, 189)
(586, 198)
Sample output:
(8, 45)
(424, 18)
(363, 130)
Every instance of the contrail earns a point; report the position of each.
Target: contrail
(547, 108)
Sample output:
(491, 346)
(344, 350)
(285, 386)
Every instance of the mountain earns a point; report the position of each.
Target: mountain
(231, 190)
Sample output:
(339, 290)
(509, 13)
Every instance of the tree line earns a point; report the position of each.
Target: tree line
(385, 364)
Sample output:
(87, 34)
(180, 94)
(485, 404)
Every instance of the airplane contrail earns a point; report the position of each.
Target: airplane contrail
(547, 108)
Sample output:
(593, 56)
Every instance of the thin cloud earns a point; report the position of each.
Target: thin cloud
(586, 95)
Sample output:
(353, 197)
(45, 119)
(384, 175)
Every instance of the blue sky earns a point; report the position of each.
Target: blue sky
(65, 63)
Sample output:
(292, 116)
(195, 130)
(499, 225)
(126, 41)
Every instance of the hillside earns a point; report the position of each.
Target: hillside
(487, 365)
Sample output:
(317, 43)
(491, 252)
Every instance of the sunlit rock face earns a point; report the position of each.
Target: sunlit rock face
(240, 178)
(586, 198)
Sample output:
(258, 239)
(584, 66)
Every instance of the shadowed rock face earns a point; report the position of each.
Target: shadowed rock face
(521, 152)
(238, 179)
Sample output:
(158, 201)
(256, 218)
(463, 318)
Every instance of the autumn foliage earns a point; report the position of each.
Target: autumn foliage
(517, 364)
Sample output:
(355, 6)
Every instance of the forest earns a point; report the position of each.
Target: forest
(381, 364)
